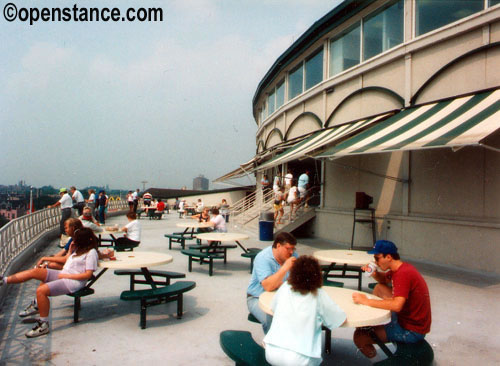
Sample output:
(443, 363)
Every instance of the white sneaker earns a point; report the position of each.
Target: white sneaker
(39, 329)
(31, 309)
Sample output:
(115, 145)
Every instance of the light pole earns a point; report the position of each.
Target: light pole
(31, 199)
(144, 185)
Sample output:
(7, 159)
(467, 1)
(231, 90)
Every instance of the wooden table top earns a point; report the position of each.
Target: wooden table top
(357, 315)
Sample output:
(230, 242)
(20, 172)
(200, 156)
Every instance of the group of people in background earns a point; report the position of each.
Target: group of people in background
(287, 191)
(97, 205)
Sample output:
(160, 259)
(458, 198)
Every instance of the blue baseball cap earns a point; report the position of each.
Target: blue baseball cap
(384, 247)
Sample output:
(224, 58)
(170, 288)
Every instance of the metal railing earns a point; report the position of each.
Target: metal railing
(20, 233)
(249, 208)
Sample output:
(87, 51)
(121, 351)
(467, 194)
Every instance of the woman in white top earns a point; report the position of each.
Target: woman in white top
(79, 265)
(132, 237)
(218, 221)
(300, 307)
(293, 198)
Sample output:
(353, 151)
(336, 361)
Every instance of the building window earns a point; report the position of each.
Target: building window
(263, 112)
(295, 82)
(432, 14)
(280, 94)
(345, 50)
(314, 69)
(494, 2)
(383, 30)
(270, 104)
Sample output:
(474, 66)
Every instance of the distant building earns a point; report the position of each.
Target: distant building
(200, 183)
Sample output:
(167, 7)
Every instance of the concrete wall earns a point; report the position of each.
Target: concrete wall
(448, 213)
(212, 199)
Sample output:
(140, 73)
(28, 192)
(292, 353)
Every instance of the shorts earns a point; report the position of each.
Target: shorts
(396, 333)
(61, 286)
(277, 207)
(302, 192)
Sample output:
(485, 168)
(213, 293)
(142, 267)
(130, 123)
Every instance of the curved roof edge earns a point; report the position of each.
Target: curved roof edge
(339, 14)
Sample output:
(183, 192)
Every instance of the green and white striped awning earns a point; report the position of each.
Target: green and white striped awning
(319, 139)
(451, 123)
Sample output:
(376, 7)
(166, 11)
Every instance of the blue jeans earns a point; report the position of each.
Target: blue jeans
(262, 317)
(396, 333)
(101, 214)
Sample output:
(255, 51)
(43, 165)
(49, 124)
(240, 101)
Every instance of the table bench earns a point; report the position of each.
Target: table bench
(85, 291)
(412, 354)
(177, 238)
(201, 257)
(137, 272)
(344, 268)
(214, 248)
(152, 297)
(242, 348)
(251, 253)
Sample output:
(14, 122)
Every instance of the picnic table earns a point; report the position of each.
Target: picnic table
(345, 261)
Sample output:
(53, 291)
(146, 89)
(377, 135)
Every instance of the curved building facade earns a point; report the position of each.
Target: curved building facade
(398, 99)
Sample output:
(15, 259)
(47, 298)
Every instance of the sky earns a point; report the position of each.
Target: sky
(118, 103)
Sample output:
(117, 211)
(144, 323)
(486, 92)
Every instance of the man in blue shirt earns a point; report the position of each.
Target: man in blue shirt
(270, 270)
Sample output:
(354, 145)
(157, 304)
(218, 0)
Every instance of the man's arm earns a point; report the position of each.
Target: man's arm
(394, 304)
(275, 280)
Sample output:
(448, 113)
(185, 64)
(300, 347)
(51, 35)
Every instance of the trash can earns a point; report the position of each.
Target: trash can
(266, 226)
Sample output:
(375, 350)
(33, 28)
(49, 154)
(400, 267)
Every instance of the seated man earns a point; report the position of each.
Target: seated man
(88, 221)
(270, 270)
(160, 206)
(132, 230)
(408, 300)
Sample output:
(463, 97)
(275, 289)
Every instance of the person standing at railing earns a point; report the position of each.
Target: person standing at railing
(303, 186)
(102, 202)
(66, 204)
(78, 201)
(91, 201)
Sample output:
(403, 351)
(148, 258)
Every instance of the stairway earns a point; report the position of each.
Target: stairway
(247, 215)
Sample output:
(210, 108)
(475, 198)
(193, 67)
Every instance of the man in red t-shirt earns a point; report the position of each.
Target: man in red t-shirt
(408, 300)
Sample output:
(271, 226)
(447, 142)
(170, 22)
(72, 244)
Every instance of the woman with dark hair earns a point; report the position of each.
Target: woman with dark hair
(300, 307)
(218, 221)
(78, 269)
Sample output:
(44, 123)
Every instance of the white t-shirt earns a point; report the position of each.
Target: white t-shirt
(292, 194)
(78, 197)
(92, 198)
(77, 265)
(288, 179)
(298, 318)
(66, 201)
(135, 196)
(220, 223)
(134, 230)
(181, 206)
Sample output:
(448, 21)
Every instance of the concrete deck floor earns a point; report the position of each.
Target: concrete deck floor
(464, 330)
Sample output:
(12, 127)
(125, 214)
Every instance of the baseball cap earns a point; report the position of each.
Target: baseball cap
(62, 190)
(384, 247)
